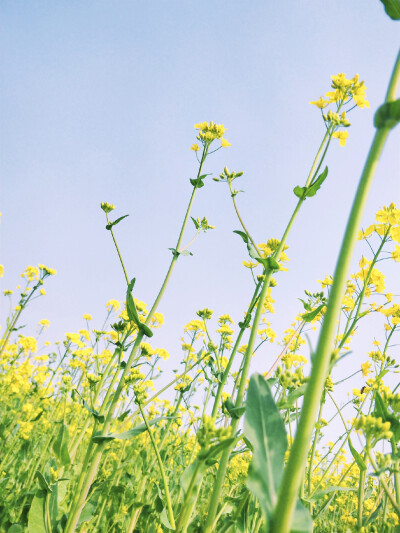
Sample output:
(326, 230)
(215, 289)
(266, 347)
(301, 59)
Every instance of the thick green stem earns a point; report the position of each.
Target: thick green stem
(361, 495)
(293, 472)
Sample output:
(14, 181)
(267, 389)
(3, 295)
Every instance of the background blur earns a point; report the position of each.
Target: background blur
(98, 103)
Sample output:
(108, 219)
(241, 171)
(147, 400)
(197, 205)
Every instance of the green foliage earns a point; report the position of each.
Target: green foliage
(388, 115)
(265, 429)
(392, 8)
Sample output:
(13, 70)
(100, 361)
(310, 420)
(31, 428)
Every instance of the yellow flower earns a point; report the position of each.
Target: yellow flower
(327, 281)
(342, 136)
(1, 271)
(87, 317)
(47, 270)
(366, 368)
(31, 273)
(44, 322)
(209, 131)
(162, 353)
(321, 103)
(225, 143)
(396, 253)
(195, 147)
(395, 233)
(106, 207)
(113, 304)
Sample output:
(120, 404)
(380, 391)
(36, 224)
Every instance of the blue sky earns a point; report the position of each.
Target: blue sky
(98, 104)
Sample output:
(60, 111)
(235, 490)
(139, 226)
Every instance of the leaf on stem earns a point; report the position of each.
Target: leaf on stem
(36, 520)
(357, 457)
(315, 186)
(309, 317)
(388, 115)
(60, 446)
(111, 224)
(132, 433)
(311, 190)
(132, 312)
(265, 429)
(99, 418)
(243, 235)
(392, 8)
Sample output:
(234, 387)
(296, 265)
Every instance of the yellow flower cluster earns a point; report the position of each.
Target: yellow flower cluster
(208, 132)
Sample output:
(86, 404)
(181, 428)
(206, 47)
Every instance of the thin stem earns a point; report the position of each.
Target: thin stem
(94, 451)
(118, 252)
(162, 471)
(240, 218)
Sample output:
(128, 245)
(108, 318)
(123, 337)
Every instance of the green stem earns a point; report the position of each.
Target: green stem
(118, 252)
(219, 481)
(293, 472)
(240, 218)
(162, 471)
(313, 448)
(361, 495)
(95, 451)
(386, 488)
(221, 384)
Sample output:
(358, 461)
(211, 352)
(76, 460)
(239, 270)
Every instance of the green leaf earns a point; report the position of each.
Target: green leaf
(132, 433)
(131, 307)
(322, 493)
(145, 329)
(264, 428)
(380, 410)
(186, 252)
(388, 115)
(198, 183)
(314, 187)
(15, 528)
(99, 418)
(242, 234)
(214, 450)
(302, 521)
(272, 263)
(309, 317)
(392, 8)
(122, 417)
(252, 251)
(87, 512)
(234, 412)
(196, 224)
(36, 523)
(43, 484)
(299, 191)
(164, 519)
(292, 397)
(357, 457)
(111, 224)
(174, 251)
(191, 475)
(60, 446)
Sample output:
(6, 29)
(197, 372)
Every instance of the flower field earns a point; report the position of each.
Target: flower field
(100, 434)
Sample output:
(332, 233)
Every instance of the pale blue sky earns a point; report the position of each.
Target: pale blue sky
(98, 104)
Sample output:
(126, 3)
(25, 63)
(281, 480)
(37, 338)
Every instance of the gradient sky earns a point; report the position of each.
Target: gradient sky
(98, 104)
